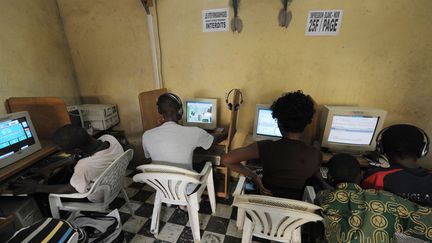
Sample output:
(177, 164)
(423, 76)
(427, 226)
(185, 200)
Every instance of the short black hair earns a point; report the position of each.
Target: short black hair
(293, 111)
(343, 168)
(71, 137)
(168, 104)
(403, 141)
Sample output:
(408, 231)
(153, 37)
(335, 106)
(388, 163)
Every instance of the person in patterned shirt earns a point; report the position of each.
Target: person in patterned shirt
(352, 214)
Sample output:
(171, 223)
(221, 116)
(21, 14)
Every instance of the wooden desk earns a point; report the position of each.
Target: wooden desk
(12, 169)
(248, 139)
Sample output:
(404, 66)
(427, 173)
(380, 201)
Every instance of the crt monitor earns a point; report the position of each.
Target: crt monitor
(201, 113)
(265, 126)
(350, 128)
(18, 137)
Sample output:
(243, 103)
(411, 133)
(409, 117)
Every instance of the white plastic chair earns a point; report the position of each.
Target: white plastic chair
(272, 218)
(171, 184)
(110, 183)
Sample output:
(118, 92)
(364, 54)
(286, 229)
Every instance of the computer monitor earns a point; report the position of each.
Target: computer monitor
(18, 137)
(265, 126)
(201, 113)
(350, 129)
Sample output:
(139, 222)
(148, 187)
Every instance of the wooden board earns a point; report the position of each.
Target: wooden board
(232, 129)
(47, 113)
(149, 113)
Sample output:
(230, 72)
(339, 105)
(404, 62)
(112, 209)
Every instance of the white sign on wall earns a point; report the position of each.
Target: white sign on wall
(215, 20)
(324, 22)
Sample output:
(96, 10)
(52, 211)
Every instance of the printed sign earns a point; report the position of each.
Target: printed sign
(324, 22)
(215, 20)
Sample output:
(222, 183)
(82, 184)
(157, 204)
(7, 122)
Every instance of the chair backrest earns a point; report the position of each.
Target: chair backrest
(149, 113)
(170, 182)
(276, 218)
(110, 182)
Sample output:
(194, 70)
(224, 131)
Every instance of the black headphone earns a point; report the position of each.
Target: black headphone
(230, 106)
(177, 101)
(421, 153)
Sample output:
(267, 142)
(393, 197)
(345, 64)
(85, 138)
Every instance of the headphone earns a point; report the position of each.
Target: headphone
(176, 99)
(230, 105)
(421, 153)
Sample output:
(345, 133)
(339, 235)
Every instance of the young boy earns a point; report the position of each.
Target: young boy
(97, 155)
(171, 142)
(287, 162)
(403, 144)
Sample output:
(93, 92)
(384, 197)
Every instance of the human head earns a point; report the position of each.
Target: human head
(402, 141)
(170, 107)
(71, 137)
(343, 168)
(293, 111)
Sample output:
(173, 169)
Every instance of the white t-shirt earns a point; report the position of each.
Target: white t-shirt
(88, 169)
(174, 143)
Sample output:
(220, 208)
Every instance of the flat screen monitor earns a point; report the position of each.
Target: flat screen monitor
(18, 138)
(350, 129)
(201, 113)
(265, 126)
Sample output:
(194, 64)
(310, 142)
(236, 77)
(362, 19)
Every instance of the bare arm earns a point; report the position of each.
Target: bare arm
(48, 170)
(233, 160)
(30, 187)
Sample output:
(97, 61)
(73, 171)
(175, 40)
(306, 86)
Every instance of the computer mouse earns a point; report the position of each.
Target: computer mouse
(377, 159)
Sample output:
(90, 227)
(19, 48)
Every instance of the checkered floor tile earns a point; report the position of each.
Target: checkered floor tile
(174, 224)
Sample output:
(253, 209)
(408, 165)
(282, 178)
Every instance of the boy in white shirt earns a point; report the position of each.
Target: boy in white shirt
(97, 155)
(170, 142)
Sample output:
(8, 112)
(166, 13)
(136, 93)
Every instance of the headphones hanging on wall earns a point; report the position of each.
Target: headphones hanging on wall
(176, 99)
(230, 105)
(421, 153)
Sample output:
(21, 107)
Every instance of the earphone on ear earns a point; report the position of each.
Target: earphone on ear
(230, 105)
(424, 149)
(176, 99)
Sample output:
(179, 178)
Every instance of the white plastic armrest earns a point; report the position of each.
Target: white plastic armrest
(240, 185)
(205, 172)
(71, 195)
(309, 194)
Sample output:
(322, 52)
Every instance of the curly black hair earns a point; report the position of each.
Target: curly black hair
(293, 111)
(402, 140)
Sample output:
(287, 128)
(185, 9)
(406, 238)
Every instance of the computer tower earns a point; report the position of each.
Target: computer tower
(24, 209)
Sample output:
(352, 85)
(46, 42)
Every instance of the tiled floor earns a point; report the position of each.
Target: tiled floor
(174, 224)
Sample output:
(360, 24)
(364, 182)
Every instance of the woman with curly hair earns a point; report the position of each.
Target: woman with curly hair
(288, 162)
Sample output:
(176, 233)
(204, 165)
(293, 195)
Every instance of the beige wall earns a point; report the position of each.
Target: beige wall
(34, 56)
(110, 51)
(381, 58)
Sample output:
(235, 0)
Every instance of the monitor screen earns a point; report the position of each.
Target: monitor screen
(199, 112)
(15, 136)
(355, 130)
(266, 124)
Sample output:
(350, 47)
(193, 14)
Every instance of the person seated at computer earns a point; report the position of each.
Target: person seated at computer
(171, 142)
(403, 144)
(352, 214)
(288, 162)
(97, 155)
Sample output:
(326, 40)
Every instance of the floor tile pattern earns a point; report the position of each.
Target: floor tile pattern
(174, 225)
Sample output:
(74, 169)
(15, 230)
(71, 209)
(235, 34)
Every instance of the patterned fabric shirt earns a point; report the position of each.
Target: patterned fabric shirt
(352, 214)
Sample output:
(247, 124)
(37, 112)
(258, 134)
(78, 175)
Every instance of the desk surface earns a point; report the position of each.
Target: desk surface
(248, 139)
(12, 169)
